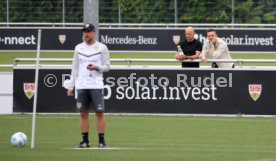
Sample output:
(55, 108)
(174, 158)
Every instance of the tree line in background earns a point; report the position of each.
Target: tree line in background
(143, 11)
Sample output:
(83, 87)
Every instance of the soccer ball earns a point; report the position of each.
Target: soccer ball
(19, 139)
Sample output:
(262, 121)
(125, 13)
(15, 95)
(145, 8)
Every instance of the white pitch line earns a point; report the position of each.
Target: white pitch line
(263, 160)
(174, 149)
(108, 148)
(261, 147)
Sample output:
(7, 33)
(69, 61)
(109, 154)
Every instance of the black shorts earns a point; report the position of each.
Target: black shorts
(90, 97)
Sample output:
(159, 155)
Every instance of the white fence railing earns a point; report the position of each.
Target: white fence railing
(6, 65)
(129, 61)
(144, 25)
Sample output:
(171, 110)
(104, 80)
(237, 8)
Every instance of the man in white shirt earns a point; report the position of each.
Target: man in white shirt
(91, 59)
(217, 49)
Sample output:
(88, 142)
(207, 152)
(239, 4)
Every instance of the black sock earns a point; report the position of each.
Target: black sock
(101, 138)
(85, 137)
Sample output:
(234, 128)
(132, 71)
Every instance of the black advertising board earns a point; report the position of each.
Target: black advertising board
(157, 91)
(51, 39)
(18, 39)
(238, 40)
(139, 39)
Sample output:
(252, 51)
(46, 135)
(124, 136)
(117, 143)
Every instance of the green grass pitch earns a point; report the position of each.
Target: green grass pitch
(143, 138)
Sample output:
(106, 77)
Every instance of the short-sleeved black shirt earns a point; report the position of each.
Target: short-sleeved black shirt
(189, 49)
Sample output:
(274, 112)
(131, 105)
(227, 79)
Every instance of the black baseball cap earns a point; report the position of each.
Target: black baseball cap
(88, 27)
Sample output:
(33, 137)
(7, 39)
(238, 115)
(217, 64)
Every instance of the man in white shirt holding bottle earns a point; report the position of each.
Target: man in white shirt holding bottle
(91, 59)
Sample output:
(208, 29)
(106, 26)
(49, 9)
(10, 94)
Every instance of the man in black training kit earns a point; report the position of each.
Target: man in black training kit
(191, 49)
(91, 59)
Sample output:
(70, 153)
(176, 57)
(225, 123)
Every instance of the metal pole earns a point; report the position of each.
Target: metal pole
(119, 12)
(36, 88)
(233, 11)
(91, 14)
(8, 13)
(63, 12)
(175, 11)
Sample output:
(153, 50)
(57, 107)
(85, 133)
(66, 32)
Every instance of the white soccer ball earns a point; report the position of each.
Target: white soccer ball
(19, 139)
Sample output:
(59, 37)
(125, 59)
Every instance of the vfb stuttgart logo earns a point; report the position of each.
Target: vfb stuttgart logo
(255, 91)
(62, 38)
(29, 89)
